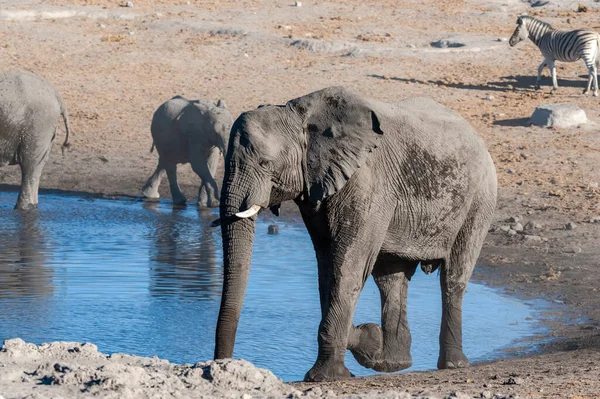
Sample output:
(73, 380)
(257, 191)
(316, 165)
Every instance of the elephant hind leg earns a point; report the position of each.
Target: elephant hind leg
(31, 171)
(455, 273)
(150, 189)
(176, 194)
(387, 348)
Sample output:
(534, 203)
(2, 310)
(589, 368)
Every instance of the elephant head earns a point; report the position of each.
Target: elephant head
(305, 151)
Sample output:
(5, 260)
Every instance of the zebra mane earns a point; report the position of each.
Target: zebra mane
(534, 20)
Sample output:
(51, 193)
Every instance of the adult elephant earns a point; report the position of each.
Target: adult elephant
(381, 188)
(30, 108)
(194, 131)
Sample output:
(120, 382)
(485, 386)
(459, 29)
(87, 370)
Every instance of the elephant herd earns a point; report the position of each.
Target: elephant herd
(383, 188)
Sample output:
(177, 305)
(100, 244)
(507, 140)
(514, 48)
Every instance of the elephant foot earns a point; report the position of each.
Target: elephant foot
(150, 194)
(25, 206)
(179, 201)
(214, 203)
(368, 350)
(452, 359)
(330, 371)
(366, 344)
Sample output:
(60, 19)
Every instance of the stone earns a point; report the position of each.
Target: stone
(517, 227)
(595, 219)
(298, 4)
(447, 43)
(558, 115)
(273, 229)
(570, 226)
(513, 219)
(532, 238)
(489, 97)
(486, 395)
(504, 228)
(511, 233)
(129, 4)
(532, 226)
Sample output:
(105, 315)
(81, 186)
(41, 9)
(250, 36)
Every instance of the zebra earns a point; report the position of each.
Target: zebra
(560, 45)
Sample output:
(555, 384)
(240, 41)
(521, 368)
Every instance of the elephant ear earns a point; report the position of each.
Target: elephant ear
(341, 130)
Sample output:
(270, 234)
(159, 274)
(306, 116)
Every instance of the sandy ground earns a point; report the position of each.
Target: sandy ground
(114, 65)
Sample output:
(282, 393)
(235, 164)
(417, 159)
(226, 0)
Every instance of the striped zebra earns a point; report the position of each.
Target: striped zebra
(559, 45)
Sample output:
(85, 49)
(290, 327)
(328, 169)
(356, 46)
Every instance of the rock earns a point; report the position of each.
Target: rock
(511, 233)
(128, 4)
(446, 43)
(570, 226)
(532, 226)
(558, 115)
(501, 39)
(273, 229)
(574, 250)
(516, 227)
(513, 381)
(489, 97)
(504, 228)
(513, 219)
(532, 238)
(595, 219)
(486, 395)
(298, 4)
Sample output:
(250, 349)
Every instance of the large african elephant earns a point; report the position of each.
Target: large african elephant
(194, 131)
(381, 188)
(30, 108)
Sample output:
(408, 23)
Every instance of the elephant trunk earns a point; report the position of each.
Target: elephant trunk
(238, 237)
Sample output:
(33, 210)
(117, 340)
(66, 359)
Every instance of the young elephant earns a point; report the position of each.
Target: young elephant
(194, 131)
(381, 188)
(30, 109)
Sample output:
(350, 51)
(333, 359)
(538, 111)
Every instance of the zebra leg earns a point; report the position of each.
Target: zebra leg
(554, 80)
(591, 66)
(539, 75)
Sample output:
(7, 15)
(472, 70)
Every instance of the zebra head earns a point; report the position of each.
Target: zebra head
(521, 32)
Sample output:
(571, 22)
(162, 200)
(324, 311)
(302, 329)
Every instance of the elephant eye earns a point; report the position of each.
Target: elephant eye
(265, 163)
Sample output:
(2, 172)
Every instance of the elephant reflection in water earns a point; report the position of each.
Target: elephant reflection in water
(23, 257)
(183, 258)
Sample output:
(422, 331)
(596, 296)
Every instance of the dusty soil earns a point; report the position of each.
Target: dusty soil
(114, 65)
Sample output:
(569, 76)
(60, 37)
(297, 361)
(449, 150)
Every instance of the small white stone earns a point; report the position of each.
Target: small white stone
(558, 115)
(129, 4)
(298, 4)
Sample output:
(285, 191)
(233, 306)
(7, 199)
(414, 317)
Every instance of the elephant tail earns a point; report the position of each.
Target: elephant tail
(65, 115)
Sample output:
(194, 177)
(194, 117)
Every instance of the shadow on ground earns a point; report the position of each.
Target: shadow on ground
(506, 83)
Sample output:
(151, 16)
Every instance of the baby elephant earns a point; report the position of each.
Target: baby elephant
(30, 109)
(195, 131)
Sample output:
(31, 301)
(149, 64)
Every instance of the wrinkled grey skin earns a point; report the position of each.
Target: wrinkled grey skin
(194, 131)
(30, 109)
(381, 187)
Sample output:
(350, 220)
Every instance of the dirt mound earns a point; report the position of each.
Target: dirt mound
(72, 369)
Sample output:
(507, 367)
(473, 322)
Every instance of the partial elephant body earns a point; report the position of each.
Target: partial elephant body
(194, 131)
(381, 188)
(30, 109)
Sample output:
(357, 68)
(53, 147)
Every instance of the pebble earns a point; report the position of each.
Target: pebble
(486, 395)
(129, 4)
(570, 226)
(532, 226)
(595, 219)
(246, 396)
(489, 97)
(513, 219)
(501, 39)
(516, 226)
(511, 233)
(574, 250)
(504, 228)
(513, 381)
(273, 229)
(529, 237)
(298, 4)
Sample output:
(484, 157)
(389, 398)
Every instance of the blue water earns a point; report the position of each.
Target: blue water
(145, 279)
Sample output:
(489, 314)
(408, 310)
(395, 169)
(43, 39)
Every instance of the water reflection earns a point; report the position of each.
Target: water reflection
(23, 254)
(183, 261)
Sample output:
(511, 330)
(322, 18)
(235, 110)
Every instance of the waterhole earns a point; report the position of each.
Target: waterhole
(145, 279)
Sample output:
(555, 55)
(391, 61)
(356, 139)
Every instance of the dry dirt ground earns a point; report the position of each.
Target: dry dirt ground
(114, 65)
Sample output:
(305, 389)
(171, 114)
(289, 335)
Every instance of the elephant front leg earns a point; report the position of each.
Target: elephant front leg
(206, 168)
(176, 194)
(150, 189)
(386, 348)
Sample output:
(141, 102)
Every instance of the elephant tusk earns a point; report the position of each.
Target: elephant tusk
(253, 210)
